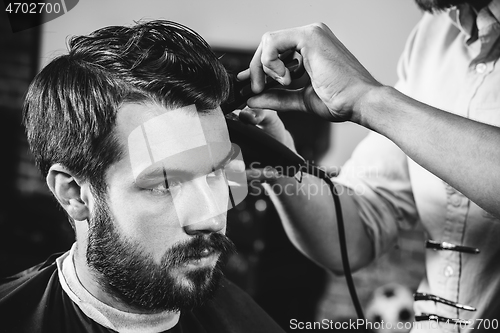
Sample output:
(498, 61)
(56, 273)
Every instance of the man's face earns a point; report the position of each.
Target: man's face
(437, 5)
(156, 238)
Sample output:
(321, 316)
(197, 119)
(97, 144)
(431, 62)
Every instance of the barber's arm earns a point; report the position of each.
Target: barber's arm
(375, 193)
(307, 210)
(462, 152)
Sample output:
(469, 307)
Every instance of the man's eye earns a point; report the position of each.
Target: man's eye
(216, 175)
(171, 187)
(160, 189)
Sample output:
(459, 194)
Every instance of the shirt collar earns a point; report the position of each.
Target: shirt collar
(104, 314)
(477, 25)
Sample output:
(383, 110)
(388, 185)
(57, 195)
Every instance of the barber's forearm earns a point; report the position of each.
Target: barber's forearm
(462, 152)
(308, 215)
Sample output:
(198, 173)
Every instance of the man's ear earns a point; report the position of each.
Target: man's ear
(68, 191)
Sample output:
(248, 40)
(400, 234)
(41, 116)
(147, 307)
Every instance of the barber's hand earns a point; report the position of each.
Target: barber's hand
(338, 81)
(269, 122)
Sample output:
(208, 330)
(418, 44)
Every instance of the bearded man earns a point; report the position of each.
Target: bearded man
(128, 131)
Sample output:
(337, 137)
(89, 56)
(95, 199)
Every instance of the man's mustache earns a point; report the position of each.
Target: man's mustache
(196, 248)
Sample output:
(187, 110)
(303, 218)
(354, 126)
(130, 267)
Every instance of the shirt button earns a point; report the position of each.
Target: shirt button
(481, 68)
(448, 271)
(456, 200)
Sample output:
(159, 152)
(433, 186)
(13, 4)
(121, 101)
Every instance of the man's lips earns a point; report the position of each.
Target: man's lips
(203, 258)
(206, 252)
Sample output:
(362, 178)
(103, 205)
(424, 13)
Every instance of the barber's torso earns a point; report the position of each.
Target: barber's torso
(453, 71)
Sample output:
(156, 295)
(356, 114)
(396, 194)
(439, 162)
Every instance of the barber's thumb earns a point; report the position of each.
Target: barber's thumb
(278, 100)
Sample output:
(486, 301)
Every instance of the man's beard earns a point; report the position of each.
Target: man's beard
(439, 5)
(127, 273)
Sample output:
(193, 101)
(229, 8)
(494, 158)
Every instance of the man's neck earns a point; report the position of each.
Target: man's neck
(90, 282)
(103, 313)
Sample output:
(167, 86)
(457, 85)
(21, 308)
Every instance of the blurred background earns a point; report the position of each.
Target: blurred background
(267, 266)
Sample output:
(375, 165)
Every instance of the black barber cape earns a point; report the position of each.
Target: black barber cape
(33, 301)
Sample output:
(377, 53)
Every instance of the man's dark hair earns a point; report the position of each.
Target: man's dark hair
(71, 105)
(433, 6)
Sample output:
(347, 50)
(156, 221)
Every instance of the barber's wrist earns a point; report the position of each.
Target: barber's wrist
(374, 109)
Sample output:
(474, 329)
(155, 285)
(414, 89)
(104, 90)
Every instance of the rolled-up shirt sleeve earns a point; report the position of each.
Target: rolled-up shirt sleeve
(377, 174)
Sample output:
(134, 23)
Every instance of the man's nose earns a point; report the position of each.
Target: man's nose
(206, 212)
(211, 225)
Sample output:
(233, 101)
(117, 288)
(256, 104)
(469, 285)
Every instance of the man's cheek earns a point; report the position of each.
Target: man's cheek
(154, 227)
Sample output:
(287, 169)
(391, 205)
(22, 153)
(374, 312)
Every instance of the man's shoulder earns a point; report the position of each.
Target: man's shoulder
(11, 283)
(24, 297)
(233, 310)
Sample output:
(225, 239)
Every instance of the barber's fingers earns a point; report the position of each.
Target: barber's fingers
(267, 120)
(303, 100)
(262, 118)
(313, 37)
(270, 123)
(326, 29)
(255, 72)
(266, 60)
(243, 75)
(279, 100)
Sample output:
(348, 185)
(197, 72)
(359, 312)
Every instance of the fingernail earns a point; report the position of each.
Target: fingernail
(276, 77)
(280, 79)
(253, 174)
(251, 113)
(270, 173)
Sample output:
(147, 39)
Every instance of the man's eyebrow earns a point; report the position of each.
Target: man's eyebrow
(154, 174)
(230, 156)
(160, 172)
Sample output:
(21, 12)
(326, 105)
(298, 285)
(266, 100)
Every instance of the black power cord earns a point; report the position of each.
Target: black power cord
(318, 172)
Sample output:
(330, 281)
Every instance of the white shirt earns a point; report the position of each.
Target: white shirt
(107, 316)
(450, 62)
